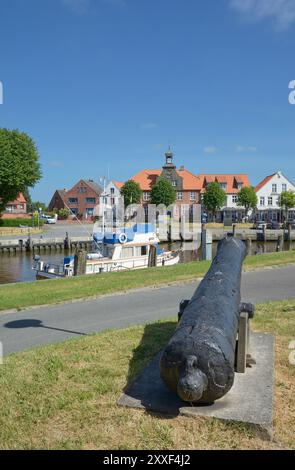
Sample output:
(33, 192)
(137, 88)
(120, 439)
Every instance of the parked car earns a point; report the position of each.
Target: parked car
(274, 225)
(259, 225)
(51, 220)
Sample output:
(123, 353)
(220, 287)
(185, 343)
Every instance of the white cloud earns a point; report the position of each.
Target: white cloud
(82, 6)
(56, 164)
(149, 125)
(241, 148)
(211, 150)
(282, 12)
(78, 6)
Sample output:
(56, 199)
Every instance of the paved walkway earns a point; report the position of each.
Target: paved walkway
(38, 326)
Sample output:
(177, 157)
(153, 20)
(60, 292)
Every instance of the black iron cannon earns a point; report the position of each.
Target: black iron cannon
(199, 361)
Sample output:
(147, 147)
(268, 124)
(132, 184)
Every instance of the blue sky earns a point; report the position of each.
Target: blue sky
(106, 85)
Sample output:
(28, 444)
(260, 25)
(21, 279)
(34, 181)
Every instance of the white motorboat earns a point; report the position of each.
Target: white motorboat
(127, 249)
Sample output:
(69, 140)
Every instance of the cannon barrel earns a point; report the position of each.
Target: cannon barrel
(198, 362)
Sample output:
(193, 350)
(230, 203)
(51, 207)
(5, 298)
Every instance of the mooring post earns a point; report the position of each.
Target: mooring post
(206, 240)
(243, 332)
(29, 244)
(234, 230)
(264, 233)
(67, 242)
(80, 263)
(249, 246)
(280, 243)
(152, 260)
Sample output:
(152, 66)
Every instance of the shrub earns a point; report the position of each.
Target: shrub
(33, 222)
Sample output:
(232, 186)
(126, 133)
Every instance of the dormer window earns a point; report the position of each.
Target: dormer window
(174, 183)
(239, 186)
(223, 186)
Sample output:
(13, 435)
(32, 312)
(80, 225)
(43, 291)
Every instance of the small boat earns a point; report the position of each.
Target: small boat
(127, 249)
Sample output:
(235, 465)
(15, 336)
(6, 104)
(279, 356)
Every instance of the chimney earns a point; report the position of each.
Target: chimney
(181, 168)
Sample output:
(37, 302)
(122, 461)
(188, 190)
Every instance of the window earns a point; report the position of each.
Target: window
(73, 200)
(146, 196)
(82, 189)
(144, 250)
(235, 199)
(262, 201)
(278, 201)
(180, 196)
(284, 187)
(112, 201)
(112, 190)
(174, 183)
(270, 201)
(74, 211)
(274, 188)
(90, 200)
(223, 186)
(127, 252)
(193, 195)
(89, 211)
(240, 185)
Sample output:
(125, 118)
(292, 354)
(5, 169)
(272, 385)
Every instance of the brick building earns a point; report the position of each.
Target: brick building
(17, 208)
(82, 198)
(58, 200)
(187, 185)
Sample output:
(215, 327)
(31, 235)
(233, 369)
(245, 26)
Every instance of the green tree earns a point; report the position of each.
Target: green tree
(131, 192)
(163, 193)
(214, 198)
(19, 165)
(287, 201)
(63, 214)
(28, 198)
(36, 205)
(247, 198)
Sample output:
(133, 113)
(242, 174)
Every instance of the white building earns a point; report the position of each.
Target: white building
(111, 202)
(268, 193)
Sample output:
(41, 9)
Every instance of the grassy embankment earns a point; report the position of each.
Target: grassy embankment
(22, 295)
(64, 396)
(10, 231)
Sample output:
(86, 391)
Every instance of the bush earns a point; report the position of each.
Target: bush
(63, 214)
(33, 222)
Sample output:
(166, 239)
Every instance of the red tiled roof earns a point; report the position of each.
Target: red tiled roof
(263, 182)
(118, 184)
(20, 200)
(230, 180)
(147, 178)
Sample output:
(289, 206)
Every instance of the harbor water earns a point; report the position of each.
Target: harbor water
(18, 267)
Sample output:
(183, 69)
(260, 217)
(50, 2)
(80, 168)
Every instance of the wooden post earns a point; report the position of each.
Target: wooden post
(280, 243)
(249, 246)
(206, 240)
(234, 230)
(242, 343)
(264, 233)
(80, 263)
(152, 262)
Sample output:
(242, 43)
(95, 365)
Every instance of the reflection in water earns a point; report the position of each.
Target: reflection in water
(18, 267)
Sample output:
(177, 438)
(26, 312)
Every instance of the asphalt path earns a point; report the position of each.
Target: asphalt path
(43, 325)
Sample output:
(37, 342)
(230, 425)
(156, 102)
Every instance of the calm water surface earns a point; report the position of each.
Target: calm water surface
(18, 267)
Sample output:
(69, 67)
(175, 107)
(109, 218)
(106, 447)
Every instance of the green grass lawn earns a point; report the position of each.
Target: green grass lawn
(21, 295)
(64, 396)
